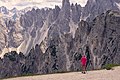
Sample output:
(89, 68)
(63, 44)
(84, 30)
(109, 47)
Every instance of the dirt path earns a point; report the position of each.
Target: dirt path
(91, 75)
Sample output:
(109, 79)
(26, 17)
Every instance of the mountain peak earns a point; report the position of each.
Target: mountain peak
(64, 2)
(3, 10)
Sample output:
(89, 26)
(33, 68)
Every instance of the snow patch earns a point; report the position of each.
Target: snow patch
(22, 47)
(43, 46)
(41, 33)
(118, 5)
(30, 42)
(73, 28)
(6, 50)
(84, 18)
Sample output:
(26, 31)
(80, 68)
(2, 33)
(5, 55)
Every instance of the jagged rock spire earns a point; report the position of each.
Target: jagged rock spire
(64, 2)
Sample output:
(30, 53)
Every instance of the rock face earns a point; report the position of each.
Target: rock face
(96, 7)
(29, 27)
(76, 12)
(99, 40)
(53, 40)
(3, 10)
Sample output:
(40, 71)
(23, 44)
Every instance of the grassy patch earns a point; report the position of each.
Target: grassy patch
(110, 66)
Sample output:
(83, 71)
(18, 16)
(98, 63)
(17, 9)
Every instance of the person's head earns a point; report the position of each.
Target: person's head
(83, 55)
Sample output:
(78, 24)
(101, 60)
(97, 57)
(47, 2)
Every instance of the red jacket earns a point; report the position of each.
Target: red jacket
(83, 60)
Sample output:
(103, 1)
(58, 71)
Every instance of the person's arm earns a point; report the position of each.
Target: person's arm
(81, 60)
(86, 59)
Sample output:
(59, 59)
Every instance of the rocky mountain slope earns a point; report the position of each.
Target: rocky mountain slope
(96, 7)
(53, 40)
(100, 40)
(18, 28)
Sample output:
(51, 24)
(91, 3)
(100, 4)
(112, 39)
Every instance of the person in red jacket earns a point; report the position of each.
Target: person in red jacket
(83, 63)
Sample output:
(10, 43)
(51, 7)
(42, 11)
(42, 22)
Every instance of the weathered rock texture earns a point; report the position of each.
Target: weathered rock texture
(99, 40)
(53, 40)
(25, 28)
(94, 8)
